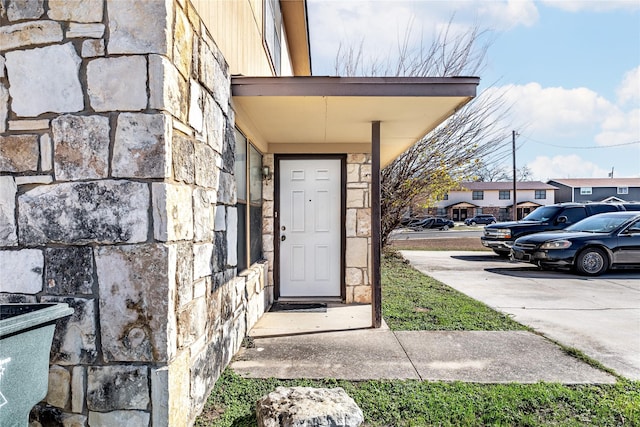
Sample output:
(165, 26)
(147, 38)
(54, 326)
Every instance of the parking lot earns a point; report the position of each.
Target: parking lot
(598, 316)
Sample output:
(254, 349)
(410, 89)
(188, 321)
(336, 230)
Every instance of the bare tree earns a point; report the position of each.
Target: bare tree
(451, 152)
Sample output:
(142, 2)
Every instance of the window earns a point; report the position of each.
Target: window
(478, 211)
(478, 195)
(585, 191)
(623, 190)
(248, 173)
(272, 30)
(504, 195)
(574, 214)
(446, 196)
(541, 194)
(441, 211)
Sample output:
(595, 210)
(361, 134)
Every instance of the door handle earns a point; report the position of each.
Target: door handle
(283, 238)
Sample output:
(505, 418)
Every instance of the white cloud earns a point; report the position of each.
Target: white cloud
(556, 112)
(629, 89)
(506, 15)
(544, 168)
(593, 5)
(620, 128)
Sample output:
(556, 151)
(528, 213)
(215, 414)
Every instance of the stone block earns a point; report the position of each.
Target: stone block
(353, 172)
(142, 146)
(308, 406)
(76, 11)
(19, 153)
(227, 189)
(58, 392)
(215, 123)
(46, 153)
(4, 100)
(21, 271)
(78, 382)
(362, 294)
(364, 222)
(206, 173)
(29, 33)
(74, 341)
(214, 75)
(183, 159)
(136, 302)
(111, 388)
(84, 212)
(34, 180)
(105, 88)
(351, 222)
(357, 252)
(353, 277)
(202, 260)
(81, 147)
(119, 418)
(168, 90)
(45, 79)
(92, 48)
(196, 106)
(24, 9)
(232, 236)
(355, 198)
(183, 43)
(192, 322)
(184, 273)
(129, 29)
(8, 230)
(85, 31)
(220, 221)
(17, 299)
(172, 212)
(204, 202)
(28, 125)
(68, 270)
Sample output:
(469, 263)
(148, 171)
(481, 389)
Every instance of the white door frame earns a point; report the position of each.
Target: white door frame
(278, 233)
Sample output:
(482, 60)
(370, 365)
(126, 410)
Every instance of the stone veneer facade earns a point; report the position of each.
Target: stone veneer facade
(117, 196)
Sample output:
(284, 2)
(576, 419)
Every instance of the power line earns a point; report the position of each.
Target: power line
(593, 147)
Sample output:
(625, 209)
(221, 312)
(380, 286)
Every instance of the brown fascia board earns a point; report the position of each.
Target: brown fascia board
(296, 28)
(355, 86)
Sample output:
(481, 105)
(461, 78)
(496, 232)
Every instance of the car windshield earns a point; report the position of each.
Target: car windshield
(542, 214)
(599, 223)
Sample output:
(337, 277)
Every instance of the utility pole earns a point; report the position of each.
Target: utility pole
(611, 173)
(515, 199)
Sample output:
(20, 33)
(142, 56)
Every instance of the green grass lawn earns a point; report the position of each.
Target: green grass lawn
(412, 301)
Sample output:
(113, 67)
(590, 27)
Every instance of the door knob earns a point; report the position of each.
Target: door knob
(283, 238)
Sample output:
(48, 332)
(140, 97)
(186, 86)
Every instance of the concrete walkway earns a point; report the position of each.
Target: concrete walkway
(316, 345)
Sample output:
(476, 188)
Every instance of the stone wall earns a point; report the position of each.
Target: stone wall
(117, 197)
(358, 228)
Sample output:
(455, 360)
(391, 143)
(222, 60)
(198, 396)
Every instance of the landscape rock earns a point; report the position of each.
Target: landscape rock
(308, 407)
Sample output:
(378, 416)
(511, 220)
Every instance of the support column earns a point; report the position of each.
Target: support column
(376, 248)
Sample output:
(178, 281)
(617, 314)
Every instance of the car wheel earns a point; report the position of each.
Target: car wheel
(445, 228)
(473, 223)
(592, 262)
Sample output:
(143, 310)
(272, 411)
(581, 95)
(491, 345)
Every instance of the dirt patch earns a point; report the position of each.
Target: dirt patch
(444, 244)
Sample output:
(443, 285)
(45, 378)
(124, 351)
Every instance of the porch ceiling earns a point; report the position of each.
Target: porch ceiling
(334, 114)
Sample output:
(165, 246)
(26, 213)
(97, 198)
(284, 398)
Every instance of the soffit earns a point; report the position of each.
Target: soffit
(339, 111)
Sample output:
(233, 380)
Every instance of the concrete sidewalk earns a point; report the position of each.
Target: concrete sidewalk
(312, 345)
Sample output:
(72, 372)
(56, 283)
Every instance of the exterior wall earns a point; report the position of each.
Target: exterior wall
(599, 194)
(358, 229)
(119, 200)
(563, 193)
(240, 38)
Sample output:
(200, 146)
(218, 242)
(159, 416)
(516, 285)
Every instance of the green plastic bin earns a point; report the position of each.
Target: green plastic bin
(26, 333)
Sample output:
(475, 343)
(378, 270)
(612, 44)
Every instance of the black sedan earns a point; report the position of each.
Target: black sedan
(589, 247)
(433, 222)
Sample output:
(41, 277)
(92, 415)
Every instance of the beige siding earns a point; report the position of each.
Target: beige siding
(236, 27)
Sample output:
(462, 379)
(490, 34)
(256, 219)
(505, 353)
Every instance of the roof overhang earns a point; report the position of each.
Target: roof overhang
(294, 17)
(334, 114)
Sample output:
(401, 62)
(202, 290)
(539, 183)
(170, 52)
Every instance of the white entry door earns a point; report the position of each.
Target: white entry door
(310, 237)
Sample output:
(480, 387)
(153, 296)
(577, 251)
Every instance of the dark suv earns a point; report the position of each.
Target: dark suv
(480, 219)
(500, 237)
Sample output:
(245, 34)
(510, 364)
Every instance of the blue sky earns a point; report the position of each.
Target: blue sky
(570, 70)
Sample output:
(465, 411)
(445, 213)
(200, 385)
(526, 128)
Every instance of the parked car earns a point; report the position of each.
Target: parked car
(412, 221)
(500, 236)
(589, 247)
(481, 219)
(433, 223)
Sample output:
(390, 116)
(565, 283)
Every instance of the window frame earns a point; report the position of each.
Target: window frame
(477, 195)
(501, 194)
(622, 190)
(586, 191)
(246, 203)
(540, 194)
(272, 34)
